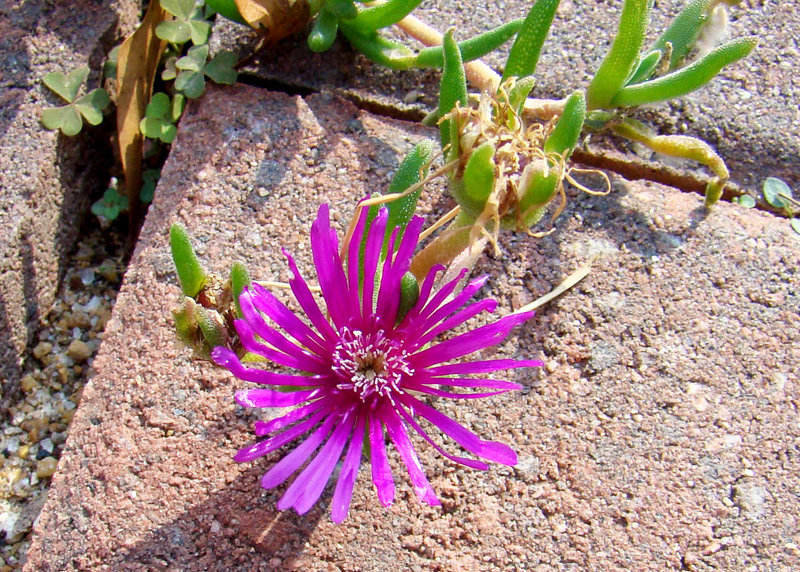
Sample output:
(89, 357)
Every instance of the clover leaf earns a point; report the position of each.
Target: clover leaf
(193, 69)
(186, 25)
(161, 115)
(776, 193)
(69, 118)
(110, 205)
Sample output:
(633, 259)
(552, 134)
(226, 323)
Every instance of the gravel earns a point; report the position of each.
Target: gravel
(34, 428)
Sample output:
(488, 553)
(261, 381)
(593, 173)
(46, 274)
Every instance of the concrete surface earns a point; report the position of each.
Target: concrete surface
(46, 180)
(662, 433)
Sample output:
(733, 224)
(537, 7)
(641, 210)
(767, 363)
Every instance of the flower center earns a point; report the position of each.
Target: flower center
(370, 365)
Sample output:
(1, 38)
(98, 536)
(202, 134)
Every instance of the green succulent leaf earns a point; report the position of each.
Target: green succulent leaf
(646, 67)
(478, 178)
(384, 14)
(524, 54)
(519, 92)
(323, 32)
(67, 86)
(212, 326)
(773, 189)
(684, 80)
(616, 67)
(221, 69)
(684, 30)
(565, 135)
(795, 222)
(408, 174)
(409, 295)
(344, 9)
(240, 279)
(380, 50)
(453, 87)
(190, 272)
(471, 49)
(65, 118)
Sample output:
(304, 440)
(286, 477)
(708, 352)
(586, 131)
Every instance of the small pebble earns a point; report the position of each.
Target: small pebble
(79, 350)
(23, 451)
(42, 349)
(28, 383)
(46, 467)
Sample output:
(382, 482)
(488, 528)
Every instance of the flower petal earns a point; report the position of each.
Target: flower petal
(399, 436)
(226, 358)
(266, 302)
(381, 473)
(276, 442)
(501, 384)
(284, 468)
(424, 294)
(472, 463)
(482, 366)
(455, 320)
(343, 494)
(309, 484)
(469, 342)
(332, 281)
(305, 298)
(354, 253)
(299, 359)
(266, 427)
(271, 398)
(491, 450)
(372, 253)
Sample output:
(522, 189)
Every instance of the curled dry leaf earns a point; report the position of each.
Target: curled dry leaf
(138, 60)
(275, 19)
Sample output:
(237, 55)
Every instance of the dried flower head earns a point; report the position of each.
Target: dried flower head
(364, 373)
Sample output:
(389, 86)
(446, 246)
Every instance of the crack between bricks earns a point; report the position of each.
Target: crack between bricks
(613, 160)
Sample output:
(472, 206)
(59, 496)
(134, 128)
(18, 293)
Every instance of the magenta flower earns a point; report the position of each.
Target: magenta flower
(363, 374)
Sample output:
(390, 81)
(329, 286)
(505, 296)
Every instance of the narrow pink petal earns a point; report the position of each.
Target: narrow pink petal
(455, 320)
(309, 484)
(424, 293)
(381, 473)
(271, 398)
(226, 358)
(453, 394)
(354, 252)
(399, 436)
(266, 302)
(275, 338)
(273, 443)
(469, 342)
(284, 468)
(472, 463)
(425, 380)
(491, 450)
(408, 244)
(305, 298)
(343, 494)
(441, 295)
(303, 361)
(482, 366)
(332, 280)
(266, 427)
(372, 254)
(444, 310)
(389, 292)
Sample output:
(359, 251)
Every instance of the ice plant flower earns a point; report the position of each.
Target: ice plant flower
(362, 373)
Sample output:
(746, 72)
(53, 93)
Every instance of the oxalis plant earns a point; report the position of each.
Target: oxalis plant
(360, 357)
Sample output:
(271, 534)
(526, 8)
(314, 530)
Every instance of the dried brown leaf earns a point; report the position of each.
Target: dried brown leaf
(138, 60)
(275, 19)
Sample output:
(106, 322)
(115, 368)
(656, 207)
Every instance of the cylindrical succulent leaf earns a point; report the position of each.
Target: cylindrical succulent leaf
(568, 129)
(240, 279)
(477, 182)
(383, 14)
(409, 294)
(524, 54)
(380, 50)
(472, 48)
(323, 32)
(684, 30)
(453, 87)
(618, 63)
(190, 272)
(685, 80)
